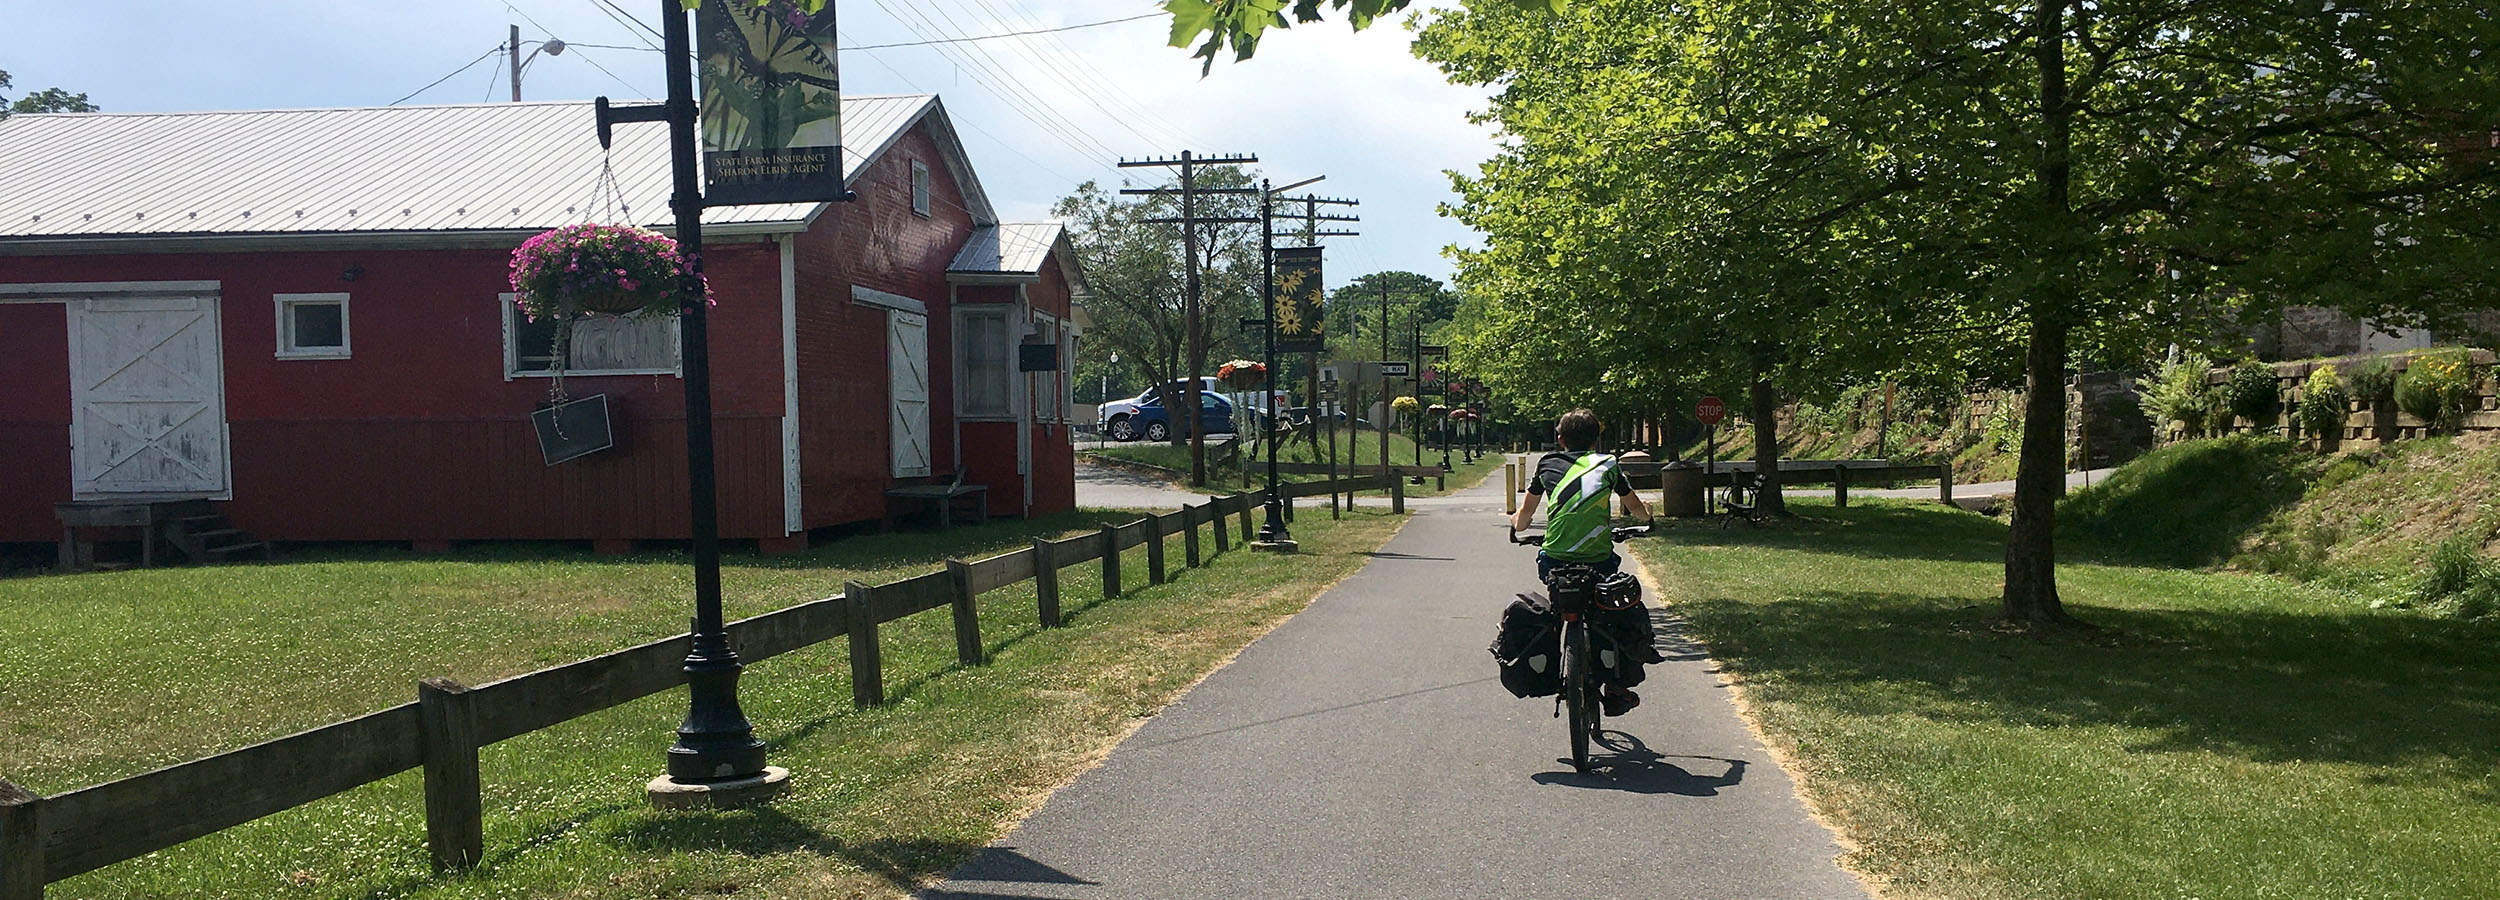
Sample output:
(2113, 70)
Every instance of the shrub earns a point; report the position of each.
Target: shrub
(2459, 580)
(2374, 382)
(2252, 392)
(2004, 429)
(2322, 403)
(2438, 388)
(2178, 395)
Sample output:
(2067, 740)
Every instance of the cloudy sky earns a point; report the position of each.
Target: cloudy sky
(1038, 114)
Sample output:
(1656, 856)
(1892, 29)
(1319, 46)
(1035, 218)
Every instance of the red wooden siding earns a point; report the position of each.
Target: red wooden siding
(418, 434)
(844, 405)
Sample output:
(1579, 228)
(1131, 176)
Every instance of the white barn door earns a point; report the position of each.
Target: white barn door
(147, 397)
(907, 358)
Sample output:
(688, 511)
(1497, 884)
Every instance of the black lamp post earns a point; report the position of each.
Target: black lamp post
(1273, 531)
(717, 760)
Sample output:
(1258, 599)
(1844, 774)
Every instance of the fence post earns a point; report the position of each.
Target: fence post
(1046, 582)
(1189, 533)
(455, 825)
(1111, 562)
(1154, 549)
(1284, 492)
(1944, 483)
(1247, 505)
(967, 615)
(1223, 525)
(1840, 486)
(1397, 495)
(867, 666)
(21, 843)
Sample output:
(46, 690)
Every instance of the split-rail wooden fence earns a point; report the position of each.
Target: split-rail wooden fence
(45, 839)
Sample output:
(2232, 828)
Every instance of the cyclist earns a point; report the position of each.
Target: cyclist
(1577, 481)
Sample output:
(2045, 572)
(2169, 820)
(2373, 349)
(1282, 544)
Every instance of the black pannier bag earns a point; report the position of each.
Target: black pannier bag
(1528, 648)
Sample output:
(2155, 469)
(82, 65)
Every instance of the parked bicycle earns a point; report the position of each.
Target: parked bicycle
(1573, 593)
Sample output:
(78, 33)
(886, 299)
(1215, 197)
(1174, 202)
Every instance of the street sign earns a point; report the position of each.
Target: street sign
(1710, 410)
(1436, 349)
(1396, 368)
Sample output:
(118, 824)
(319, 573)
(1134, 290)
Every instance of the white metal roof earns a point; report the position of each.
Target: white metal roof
(376, 170)
(1008, 248)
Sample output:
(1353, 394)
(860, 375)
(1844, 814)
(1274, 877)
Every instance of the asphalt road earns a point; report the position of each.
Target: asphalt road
(1364, 749)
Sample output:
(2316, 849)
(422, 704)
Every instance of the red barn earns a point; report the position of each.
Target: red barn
(304, 315)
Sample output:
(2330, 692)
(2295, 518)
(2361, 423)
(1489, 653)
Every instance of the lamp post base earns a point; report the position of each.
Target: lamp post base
(753, 790)
(1285, 545)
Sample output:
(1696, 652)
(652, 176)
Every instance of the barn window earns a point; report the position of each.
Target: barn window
(312, 326)
(601, 345)
(919, 187)
(983, 362)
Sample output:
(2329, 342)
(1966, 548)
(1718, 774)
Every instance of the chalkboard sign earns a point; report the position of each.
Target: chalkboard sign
(573, 429)
(1037, 357)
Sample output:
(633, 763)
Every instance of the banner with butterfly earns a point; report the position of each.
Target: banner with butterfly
(772, 103)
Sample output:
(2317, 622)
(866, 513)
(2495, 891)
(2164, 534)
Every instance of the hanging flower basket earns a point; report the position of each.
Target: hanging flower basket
(1242, 374)
(613, 269)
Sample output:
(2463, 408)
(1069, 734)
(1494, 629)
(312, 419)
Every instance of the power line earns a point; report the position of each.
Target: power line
(491, 51)
(625, 18)
(1005, 86)
(1024, 104)
(1050, 68)
(993, 37)
(1095, 84)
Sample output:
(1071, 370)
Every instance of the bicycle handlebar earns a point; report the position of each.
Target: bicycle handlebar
(1621, 533)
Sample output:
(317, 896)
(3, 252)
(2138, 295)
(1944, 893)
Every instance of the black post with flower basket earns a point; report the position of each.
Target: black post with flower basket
(716, 760)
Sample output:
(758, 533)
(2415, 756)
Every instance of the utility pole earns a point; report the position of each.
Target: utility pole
(1191, 320)
(1386, 409)
(512, 54)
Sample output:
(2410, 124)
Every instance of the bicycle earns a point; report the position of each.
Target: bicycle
(1573, 593)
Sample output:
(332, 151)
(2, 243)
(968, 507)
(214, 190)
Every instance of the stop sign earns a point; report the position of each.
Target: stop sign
(1710, 410)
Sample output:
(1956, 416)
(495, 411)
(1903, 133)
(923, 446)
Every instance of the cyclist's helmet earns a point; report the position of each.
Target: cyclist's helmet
(1619, 591)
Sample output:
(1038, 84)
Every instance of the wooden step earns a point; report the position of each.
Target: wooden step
(262, 546)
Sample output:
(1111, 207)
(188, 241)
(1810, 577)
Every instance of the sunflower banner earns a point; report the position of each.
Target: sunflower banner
(1301, 324)
(772, 103)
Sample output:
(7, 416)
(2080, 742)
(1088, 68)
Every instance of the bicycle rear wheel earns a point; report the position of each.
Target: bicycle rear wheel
(1579, 695)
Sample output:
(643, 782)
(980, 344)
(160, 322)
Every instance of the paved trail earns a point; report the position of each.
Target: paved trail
(1364, 749)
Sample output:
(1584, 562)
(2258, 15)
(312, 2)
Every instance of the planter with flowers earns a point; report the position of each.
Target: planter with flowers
(564, 274)
(1241, 374)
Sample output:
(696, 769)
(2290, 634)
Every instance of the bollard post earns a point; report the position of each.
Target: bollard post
(968, 648)
(455, 825)
(21, 843)
(1510, 487)
(1397, 495)
(867, 659)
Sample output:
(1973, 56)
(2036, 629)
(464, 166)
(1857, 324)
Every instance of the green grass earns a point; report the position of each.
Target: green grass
(1365, 451)
(2229, 735)
(2191, 503)
(138, 669)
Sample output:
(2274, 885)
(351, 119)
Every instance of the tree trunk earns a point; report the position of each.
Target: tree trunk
(2030, 549)
(1766, 447)
(2031, 546)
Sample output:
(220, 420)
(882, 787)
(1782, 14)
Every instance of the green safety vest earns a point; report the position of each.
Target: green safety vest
(1576, 523)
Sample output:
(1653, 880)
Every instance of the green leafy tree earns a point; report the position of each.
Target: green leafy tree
(2070, 179)
(48, 100)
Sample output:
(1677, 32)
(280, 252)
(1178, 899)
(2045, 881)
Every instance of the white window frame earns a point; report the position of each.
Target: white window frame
(511, 317)
(285, 304)
(959, 337)
(922, 194)
(1055, 334)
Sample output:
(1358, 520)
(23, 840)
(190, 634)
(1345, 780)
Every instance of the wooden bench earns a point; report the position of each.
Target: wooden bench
(944, 497)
